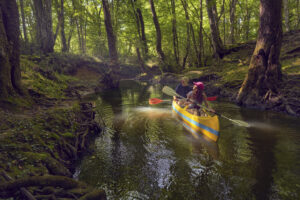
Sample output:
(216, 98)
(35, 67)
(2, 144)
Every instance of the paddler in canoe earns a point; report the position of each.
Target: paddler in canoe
(182, 89)
(194, 97)
(197, 96)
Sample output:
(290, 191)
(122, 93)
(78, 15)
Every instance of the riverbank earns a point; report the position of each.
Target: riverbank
(42, 137)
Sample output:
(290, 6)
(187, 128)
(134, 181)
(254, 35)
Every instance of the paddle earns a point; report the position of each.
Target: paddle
(169, 91)
(157, 101)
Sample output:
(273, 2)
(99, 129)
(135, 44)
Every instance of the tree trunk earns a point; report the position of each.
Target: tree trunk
(232, 20)
(78, 34)
(264, 75)
(24, 23)
(57, 7)
(110, 34)
(224, 23)
(158, 33)
(138, 26)
(62, 27)
(10, 74)
(191, 30)
(44, 34)
(144, 40)
(286, 15)
(201, 43)
(112, 78)
(219, 49)
(188, 31)
(174, 31)
(247, 21)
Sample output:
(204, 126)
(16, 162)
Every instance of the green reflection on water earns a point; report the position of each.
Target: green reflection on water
(146, 153)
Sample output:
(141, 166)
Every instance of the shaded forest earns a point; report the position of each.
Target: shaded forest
(174, 35)
(54, 53)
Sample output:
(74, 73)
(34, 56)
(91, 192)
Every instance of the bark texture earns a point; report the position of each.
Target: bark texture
(62, 27)
(174, 31)
(110, 33)
(10, 74)
(112, 78)
(201, 42)
(158, 32)
(286, 15)
(232, 20)
(219, 49)
(23, 23)
(142, 24)
(261, 86)
(44, 34)
(139, 26)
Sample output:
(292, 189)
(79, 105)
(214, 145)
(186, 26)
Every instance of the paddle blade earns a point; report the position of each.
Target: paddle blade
(153, 101)
(212, 98)
(169, 91)
(240, 123)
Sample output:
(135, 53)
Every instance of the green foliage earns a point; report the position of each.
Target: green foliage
(84, 27)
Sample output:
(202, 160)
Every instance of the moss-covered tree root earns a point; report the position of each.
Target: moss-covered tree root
(72, 189)
(39, 154)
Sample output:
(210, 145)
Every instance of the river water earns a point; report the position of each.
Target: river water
(146, 153)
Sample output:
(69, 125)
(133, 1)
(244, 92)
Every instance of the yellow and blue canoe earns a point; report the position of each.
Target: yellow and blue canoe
(209, 126)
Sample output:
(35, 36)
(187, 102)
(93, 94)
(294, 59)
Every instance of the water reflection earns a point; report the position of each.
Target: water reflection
(146, 153)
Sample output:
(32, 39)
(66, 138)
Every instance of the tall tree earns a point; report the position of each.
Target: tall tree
(188, 41)
(10, 74)
(191, 29)
(286, 15)
(80, 21)
(43, 16)
(158, 32)
(23, 23)
(111, 79)
(62, 27)
(219, 49)
(113, 54)
(142, 24)
(174, 31)
(201, 43)
(232, 20)
(139, 27)
(247, 21)
(264, 75)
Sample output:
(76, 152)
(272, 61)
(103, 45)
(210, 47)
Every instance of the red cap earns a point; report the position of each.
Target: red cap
(199, 85)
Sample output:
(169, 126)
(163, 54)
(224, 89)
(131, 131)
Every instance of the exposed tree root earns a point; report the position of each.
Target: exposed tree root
(23, 190)
(9, 188)
(57, 160)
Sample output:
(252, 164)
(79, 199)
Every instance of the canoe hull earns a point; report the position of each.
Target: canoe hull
(209, 126)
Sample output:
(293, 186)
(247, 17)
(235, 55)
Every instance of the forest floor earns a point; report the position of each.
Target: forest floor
(44, 133)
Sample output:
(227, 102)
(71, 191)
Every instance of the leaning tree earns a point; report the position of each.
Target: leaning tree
(261, 85)
(10, 74)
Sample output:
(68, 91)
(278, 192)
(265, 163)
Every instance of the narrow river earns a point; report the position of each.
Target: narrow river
(146, 153)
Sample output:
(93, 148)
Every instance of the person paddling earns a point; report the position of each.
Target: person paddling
(197, 96)
(182, 89)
